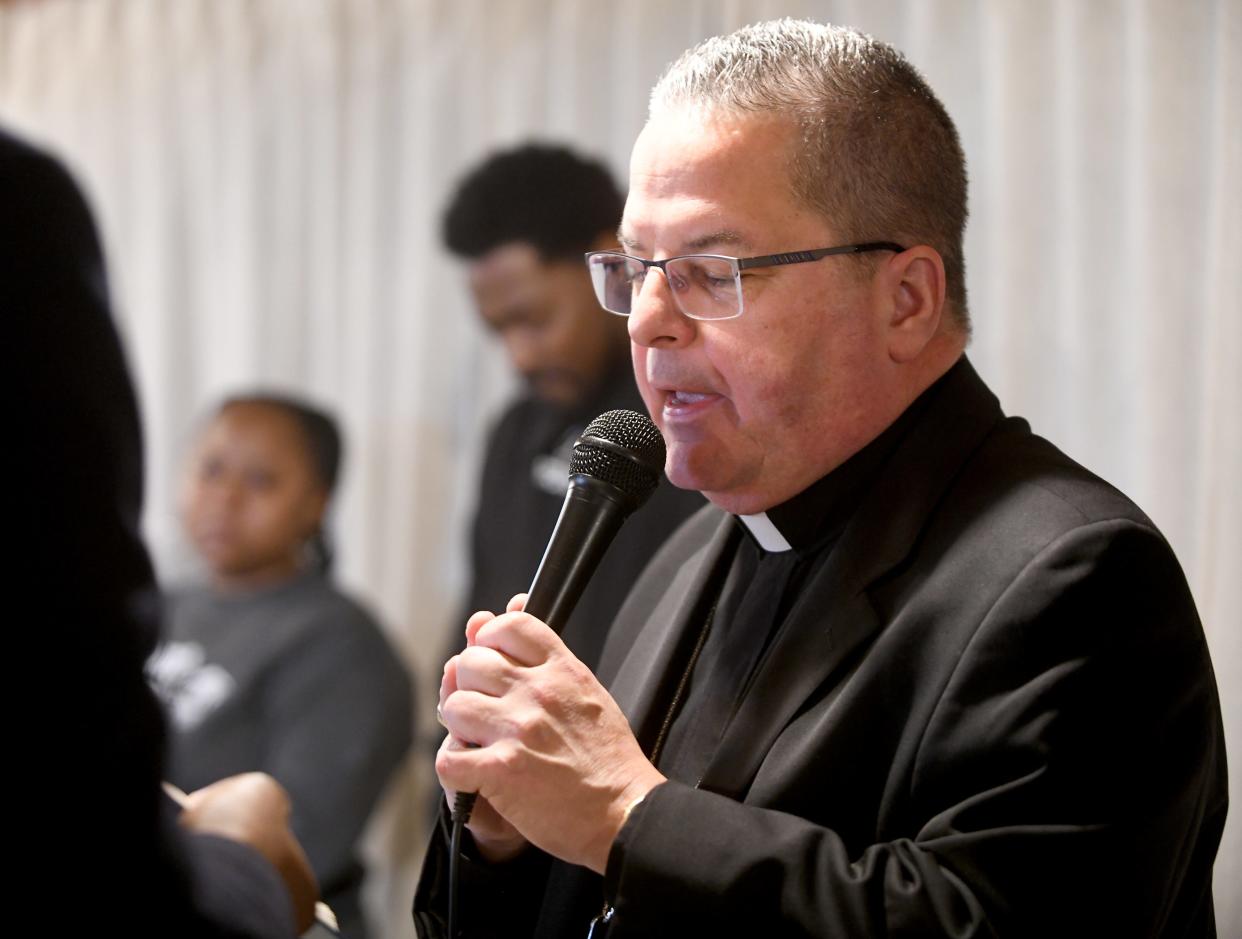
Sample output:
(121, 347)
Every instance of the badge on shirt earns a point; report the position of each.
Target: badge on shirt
(549, 472)
(190, 686)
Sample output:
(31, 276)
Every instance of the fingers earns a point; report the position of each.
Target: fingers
(254, 809)
(238, 803)
(520, 636)
(491, 665)
(457, 767)
(478, 720)
(523, 643)
(476, 668)
(448, 684)
(485, 670)
(494, 837)
(474, 622)
(448, 679)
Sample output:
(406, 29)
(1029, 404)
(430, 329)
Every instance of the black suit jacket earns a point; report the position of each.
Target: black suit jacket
(991, 713)
(101, 844)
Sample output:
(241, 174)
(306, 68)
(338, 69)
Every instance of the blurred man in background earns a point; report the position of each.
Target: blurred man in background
(522, 220)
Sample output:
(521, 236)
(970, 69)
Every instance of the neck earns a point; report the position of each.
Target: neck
(271, 575)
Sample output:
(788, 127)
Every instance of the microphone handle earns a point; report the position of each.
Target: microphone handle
(590, 518)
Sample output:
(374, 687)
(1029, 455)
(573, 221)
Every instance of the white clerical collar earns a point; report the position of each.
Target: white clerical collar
(765, 532)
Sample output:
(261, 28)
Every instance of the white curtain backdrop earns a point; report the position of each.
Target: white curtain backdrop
(268, 176)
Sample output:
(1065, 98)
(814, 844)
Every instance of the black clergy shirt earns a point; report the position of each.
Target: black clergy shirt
(776, 552)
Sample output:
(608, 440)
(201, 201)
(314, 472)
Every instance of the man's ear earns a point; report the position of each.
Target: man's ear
(914, 294)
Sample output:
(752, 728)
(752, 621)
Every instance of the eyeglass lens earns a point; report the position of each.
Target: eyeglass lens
(703, 287)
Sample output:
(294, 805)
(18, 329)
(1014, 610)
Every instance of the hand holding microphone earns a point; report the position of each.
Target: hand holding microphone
(494, 838)
(555, 757)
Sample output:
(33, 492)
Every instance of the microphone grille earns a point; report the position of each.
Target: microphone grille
(623, 448)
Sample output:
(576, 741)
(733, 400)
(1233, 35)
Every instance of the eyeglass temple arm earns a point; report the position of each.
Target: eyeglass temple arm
(799, 257)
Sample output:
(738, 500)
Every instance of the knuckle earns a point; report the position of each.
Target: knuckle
(486, 633)
(525, 725)
(506, 756)
(540, 694)
(445, 762)
(456, 704)
(532, 730)
(552, 686)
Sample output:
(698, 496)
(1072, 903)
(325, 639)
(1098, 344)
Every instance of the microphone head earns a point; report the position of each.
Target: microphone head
(625, 450)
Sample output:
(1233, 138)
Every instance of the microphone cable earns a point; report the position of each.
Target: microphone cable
(463, 807)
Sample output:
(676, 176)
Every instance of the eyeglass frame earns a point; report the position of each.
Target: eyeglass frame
(739, 265)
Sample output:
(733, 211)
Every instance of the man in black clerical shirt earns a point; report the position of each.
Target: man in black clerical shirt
(913, 672)
(521, 220)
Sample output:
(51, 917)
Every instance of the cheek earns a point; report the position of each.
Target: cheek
(187, 500)
(755, 377)
(193, 504)
(810, 349)
(638, 358)
(268, 519)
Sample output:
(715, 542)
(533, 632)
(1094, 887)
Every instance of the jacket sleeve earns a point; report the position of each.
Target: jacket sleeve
(495, 901)
(1070, 781)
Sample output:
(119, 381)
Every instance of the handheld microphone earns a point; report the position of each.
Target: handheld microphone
(614, 469)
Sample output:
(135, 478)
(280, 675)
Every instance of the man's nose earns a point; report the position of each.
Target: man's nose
(655, 319)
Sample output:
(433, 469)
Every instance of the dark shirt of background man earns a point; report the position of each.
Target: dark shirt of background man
(522, 220)
(92, 764)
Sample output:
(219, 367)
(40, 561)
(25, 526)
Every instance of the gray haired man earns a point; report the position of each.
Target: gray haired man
(913, 671)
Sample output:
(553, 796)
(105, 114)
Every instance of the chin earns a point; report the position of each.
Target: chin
(736, 503)
(679, 472)
(724, 483)
(696, 471)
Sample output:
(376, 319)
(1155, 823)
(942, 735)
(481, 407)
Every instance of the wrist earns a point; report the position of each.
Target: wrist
(622, 808)
(498, 850)
(630, 808)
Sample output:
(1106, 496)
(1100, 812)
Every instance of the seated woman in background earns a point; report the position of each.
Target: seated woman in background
(268, 666)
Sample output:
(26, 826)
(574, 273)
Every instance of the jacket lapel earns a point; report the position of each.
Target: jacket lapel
(645, 674)
(833, 616)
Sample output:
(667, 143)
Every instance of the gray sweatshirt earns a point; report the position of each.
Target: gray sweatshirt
(298, 681)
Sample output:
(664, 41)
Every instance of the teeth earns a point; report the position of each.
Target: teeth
(687, 397)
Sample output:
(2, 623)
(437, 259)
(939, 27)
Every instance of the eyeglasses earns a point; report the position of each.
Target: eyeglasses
(705, 286)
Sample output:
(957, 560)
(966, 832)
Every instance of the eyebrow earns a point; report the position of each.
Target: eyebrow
(725, 237)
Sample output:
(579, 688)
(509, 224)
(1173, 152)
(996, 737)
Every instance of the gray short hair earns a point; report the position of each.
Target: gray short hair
(878, 154)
